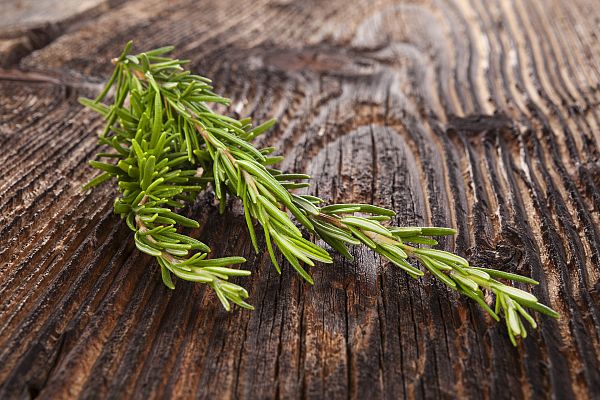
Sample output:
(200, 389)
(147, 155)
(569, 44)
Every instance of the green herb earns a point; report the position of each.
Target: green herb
(169, 145)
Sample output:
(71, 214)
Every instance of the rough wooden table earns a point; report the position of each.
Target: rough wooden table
(480, 115)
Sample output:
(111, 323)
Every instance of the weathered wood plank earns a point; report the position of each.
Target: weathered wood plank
(27, 25)
(479, 115)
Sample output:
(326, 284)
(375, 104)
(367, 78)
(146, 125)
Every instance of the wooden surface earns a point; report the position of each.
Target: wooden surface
(479, 115)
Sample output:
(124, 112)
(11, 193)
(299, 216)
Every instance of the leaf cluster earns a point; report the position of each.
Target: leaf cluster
(167, 145)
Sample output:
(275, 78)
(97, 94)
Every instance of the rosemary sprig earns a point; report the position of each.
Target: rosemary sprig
(169, 145)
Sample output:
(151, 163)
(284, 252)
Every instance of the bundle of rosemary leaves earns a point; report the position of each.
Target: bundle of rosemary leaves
(168, 145)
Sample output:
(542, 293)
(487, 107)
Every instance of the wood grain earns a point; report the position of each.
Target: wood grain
(479, 115)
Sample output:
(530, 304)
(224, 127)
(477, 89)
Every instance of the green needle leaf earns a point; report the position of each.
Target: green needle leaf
(166, 277)
(507, 275)
(443, 256)
(516, 294)
(367, 225)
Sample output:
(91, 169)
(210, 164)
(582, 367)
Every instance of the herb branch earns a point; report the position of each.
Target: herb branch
(167, 145)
